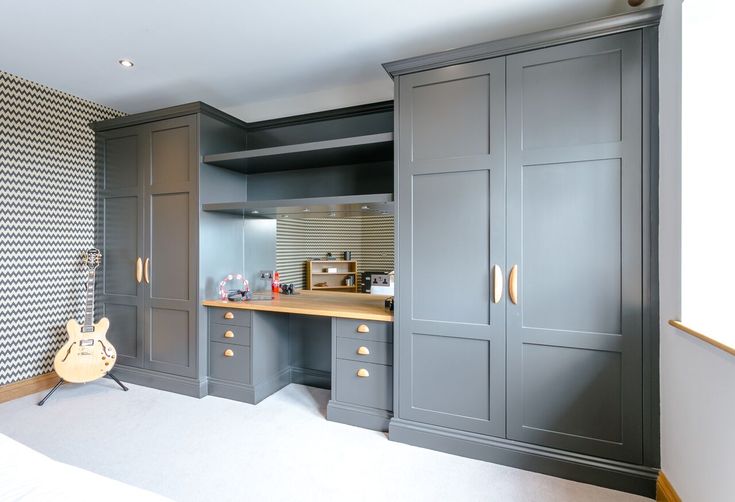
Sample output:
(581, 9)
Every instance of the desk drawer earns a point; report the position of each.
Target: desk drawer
(229, 362)
(229, 333)
(374, 390)
(224, 315)
(365, 330)
(364, 350)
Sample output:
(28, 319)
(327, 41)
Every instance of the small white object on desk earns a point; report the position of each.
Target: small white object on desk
(331, 270)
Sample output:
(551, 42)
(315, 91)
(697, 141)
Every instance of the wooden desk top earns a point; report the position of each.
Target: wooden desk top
(319, 303)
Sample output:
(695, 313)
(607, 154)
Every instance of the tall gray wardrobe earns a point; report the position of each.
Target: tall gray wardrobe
(155, 270)
(525, 324)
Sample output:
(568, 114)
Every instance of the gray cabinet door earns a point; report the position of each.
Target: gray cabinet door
(574, 231)
(451, 214)
(120, 216)
(171, 248)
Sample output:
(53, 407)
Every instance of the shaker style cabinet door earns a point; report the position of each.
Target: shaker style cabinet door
(451, 213)
(171, 227)
(121, 222)
(574, 235)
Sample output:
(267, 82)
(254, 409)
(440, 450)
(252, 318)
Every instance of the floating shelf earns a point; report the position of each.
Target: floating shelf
(334, 152)
(313, 207)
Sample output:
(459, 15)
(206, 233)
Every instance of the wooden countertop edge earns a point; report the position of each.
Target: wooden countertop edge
(678, 325)
(331, 311)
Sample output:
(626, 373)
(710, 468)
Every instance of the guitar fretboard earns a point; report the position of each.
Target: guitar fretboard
(89, 303)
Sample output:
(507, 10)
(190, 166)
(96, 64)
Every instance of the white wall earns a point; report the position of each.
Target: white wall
(708, 176)
(697, 391)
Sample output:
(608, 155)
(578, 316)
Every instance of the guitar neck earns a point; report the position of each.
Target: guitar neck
(89, 302)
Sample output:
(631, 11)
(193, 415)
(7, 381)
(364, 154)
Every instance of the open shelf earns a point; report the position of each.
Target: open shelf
(334, 152)
(312, 207)
(318, 278)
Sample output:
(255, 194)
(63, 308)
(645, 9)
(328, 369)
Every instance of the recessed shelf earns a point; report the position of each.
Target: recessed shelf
(334, 152)
(313, 207)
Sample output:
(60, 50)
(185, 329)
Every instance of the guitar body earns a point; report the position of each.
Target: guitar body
(86, 356)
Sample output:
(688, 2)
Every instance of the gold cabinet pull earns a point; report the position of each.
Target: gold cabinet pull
(229, 315)
(146, 271)
(363, 351)
(513, 284)
(497, 284)
(363, 373)
(229, 353)
(363, 328)
(138, 270)
(229, 334)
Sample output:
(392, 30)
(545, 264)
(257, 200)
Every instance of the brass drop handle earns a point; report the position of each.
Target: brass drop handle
(497, 284)
(146, 271)
(229, 334)
(139, 270)
(513, 284)
(363, 373)
(229, 353)
(363, 328)
(363, 351)
(229, 315)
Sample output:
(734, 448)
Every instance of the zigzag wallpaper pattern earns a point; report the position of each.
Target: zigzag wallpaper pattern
(47, 193)
(369, 238)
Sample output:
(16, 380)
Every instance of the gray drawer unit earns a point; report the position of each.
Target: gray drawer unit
(229, 362)
(230, 316)
(377, 331)
(364, 351)
(229, 333)
(364, 384)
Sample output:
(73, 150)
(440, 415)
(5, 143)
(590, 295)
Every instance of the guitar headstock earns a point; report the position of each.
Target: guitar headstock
(92, 258)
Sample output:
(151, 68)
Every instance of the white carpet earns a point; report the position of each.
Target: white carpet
(215, 449)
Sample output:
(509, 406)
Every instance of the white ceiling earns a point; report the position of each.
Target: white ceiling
(254, 59)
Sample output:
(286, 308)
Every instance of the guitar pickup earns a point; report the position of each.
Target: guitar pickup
(87, 342)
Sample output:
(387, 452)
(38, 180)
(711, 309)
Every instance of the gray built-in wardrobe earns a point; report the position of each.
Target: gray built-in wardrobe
(525, 317)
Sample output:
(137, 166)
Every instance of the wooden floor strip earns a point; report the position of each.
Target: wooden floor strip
(28, 386)
(664, 491)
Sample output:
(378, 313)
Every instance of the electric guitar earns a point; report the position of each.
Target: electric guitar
(87, 355)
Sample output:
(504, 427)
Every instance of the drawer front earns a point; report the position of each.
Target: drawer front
(374, 390)
(376, 331)
(224, 315)
(235, 367)
(229, 333)
(365, 350)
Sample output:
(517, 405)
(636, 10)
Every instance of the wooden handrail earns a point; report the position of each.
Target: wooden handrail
(704, 338)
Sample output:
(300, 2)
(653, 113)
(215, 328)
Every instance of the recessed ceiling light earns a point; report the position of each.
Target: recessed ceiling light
(126, 63)
(255, 211)
(284, 216)
(306, 210)
(365, 208)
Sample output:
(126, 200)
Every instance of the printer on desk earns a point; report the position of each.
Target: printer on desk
(378, 283)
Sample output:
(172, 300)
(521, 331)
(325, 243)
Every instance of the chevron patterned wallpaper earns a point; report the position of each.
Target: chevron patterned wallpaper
(47, 191)
(370, 238)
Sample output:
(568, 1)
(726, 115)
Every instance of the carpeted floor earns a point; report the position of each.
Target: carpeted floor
(214, 449)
